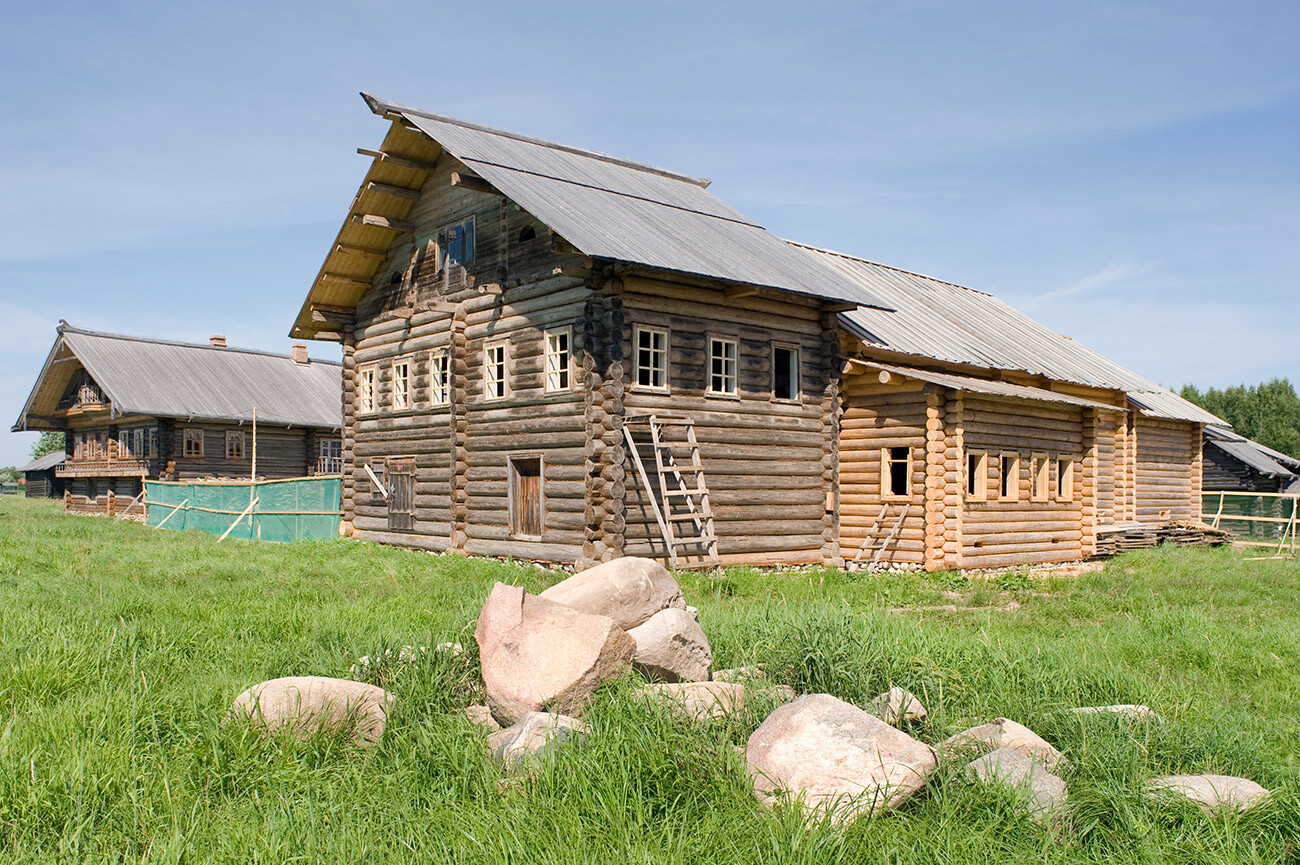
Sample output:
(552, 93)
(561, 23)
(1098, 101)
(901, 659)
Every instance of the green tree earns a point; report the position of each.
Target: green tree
(8, 474)
(49, 442)
(1269, 413)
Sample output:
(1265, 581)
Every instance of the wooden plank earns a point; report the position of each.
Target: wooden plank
(399, 160)
(403, 192)
(376, 221)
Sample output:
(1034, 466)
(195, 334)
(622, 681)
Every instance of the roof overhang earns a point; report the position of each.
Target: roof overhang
(888, 372)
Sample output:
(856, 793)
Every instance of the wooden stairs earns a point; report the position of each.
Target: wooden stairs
(682, 506)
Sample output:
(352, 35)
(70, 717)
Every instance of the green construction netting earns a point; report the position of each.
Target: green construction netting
(293, 510)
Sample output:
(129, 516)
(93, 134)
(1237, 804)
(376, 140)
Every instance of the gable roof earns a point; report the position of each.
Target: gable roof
(48, 461)
(188, 381)
(1261, 458)
(617, 210)
(949, 322)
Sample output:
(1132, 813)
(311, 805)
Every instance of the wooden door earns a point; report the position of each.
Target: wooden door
(401, 494)
(526, 496)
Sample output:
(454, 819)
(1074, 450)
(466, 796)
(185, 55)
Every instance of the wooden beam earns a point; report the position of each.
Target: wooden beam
(338, 277)
(328, 336)
(562, 246)
(322, 313)
(472, 183)
(383, 221)
(395, 191)
(349, 249)
(397, 160)
(733, 292)
(435, 306)
(840, 306)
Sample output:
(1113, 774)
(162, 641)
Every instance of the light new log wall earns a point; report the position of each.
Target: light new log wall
(770, 465)
(1168, 470)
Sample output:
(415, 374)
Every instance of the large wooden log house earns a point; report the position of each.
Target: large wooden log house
(557, 354)
(135, 409)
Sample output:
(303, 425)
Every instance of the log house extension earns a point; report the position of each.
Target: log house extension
(508, 306)
(135, 409)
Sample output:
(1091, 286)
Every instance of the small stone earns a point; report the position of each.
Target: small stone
(1001, 733)
(1211, 793)
(698, 701)
(897, 707)
(453, 649)
(532, 737)
(1127, 711)
(306, 704)
(743, 675)
(835, 759)
(481, 716)
(1044, 793)
(670, 647)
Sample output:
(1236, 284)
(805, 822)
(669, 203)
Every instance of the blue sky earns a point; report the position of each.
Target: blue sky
(1126, 172)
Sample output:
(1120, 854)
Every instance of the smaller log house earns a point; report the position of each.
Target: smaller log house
(41, 478)
(1234, 463)
(133, 409)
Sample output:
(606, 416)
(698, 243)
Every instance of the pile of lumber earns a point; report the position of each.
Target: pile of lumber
(1123, 537)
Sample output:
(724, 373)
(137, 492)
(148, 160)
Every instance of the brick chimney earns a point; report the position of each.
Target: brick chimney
(299, 353)
(217, 341)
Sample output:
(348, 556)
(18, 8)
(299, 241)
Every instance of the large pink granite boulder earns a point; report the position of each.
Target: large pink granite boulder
(537, 655)
(835, 759)
(628, 590)
(671, 647)
(304, 705)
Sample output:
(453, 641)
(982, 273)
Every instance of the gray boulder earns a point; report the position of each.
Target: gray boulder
(304, 705)
(532, 737)
(671, 647)
(1213, 794)
(1001, 733)
(897, 707)
(537, 655)
(628, 590)
(1043, 793)
(835, 759)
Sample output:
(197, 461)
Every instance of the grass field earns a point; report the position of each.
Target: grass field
(123, 646)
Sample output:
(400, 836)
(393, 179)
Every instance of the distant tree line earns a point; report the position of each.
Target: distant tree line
(1269, 413)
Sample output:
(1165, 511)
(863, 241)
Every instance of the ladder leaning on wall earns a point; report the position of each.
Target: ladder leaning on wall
(682, 509)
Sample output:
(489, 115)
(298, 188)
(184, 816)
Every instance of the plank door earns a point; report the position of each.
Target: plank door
(401, 494)
(526, 496)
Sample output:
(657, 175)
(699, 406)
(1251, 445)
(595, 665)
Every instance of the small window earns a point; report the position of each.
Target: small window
(526, 496)
(527, 233)
(1010, 490)
(439, 377)
(722, 366)
(330, 461)
(1065, 479)
(366, 390)
(401, 394)
(896, 472)
(494, 371)
(234, 445)
(785, 372)
(456, 244)
(977, 476)
(192, 443)
(558, 371)
(1038, 477)
(652, 358)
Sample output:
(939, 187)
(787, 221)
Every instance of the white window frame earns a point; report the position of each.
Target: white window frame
(492, 377)
(795, 377)
(887, 475)
(399, 399)
(1009, 492)
(1064, 478)
(440, 376)
(979, 490)
(557, 372)
(367, 379)
(666, 351)
(734, 376)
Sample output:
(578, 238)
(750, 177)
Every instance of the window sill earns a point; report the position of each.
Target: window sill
(734, 397)
(645, 388)
(894, 498)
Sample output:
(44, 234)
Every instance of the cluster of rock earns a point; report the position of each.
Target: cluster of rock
(543, 656)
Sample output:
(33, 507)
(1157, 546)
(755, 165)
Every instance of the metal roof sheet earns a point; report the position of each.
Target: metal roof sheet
(949, 322)
(992, 388)
(48, 461)
(192, 381)
(624, 211)
(1246, 452)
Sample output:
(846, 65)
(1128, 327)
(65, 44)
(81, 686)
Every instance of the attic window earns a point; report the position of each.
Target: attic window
(456, 243)
(527, 233)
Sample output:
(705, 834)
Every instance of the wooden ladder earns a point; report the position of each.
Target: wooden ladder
(875, 527)
(680, 505)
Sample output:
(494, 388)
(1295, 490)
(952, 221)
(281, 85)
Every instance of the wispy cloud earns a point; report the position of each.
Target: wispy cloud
(1112, 276)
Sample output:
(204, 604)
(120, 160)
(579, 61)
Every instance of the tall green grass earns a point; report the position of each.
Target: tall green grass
(123, 647)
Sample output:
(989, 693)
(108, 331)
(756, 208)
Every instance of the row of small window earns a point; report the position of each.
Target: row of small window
(136, 443)
(896, 475)
(496, 378)
(651, 364)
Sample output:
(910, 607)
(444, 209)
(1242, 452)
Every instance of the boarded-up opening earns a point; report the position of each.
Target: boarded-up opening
(401, 494)
(526, 496)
